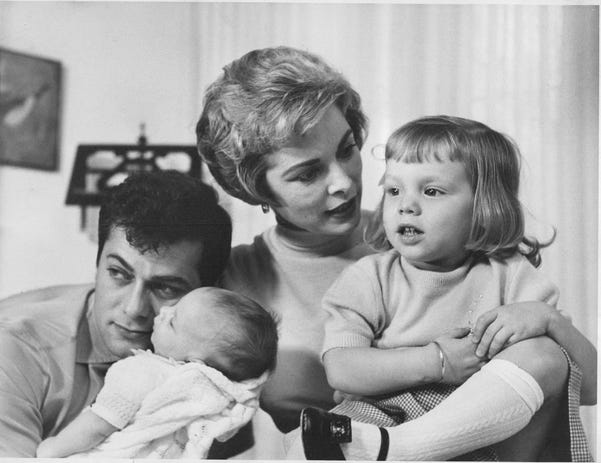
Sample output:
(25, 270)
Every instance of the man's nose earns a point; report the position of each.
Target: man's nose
(138, 304)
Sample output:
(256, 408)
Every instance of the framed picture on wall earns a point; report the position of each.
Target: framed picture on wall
(29, 110)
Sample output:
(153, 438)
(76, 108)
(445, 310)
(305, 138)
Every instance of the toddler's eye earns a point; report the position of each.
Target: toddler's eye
(348, 151)
(432, 192)
(392, 191)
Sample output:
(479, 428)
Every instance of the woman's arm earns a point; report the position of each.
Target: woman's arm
(581, 350)
(380, 371)
(85, 432)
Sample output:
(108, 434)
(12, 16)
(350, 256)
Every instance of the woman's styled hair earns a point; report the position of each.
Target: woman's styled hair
(492, 163)
(260, 101)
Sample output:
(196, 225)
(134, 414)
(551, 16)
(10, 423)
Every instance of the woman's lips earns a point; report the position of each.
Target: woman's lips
(345, 209)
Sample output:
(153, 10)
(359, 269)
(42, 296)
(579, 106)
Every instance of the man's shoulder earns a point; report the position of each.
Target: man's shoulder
(55, 309)
(46, 295)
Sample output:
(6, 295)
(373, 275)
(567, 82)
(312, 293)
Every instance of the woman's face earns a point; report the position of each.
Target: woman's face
(316, 178)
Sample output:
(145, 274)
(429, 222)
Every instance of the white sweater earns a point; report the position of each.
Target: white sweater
(289, 276)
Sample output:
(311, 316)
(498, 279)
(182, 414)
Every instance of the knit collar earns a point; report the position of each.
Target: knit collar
(430, 279)
(324, 245)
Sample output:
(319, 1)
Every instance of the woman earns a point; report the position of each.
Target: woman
(283, 130)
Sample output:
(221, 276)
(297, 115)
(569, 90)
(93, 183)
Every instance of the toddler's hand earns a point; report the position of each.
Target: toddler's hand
(339, 396)
(461, 360)
(505, 325)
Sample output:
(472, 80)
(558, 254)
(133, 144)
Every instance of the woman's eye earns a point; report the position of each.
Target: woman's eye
(308, 175)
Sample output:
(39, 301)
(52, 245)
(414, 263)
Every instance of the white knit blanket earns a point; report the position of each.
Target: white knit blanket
(182, 417)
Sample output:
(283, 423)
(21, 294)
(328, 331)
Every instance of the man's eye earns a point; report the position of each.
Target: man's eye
(118, 274)
(168, 292)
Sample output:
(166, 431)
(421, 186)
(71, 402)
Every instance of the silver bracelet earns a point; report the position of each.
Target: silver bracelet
(442, 360)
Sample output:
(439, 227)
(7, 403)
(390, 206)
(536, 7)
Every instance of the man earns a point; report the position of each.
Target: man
(160, 235)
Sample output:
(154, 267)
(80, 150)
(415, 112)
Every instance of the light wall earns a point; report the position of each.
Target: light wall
(529, 71)
(122, 65)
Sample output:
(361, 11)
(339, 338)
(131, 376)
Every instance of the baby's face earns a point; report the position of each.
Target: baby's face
(189, 329)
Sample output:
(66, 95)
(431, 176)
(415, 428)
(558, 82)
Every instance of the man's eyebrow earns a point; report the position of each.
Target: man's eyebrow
(168, 279)
(121, 260)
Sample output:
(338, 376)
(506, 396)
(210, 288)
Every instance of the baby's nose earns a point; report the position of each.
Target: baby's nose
(164, 312)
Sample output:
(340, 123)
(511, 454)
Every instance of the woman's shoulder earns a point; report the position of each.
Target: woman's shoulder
(248, 262)
(253, 250)
(249, 256)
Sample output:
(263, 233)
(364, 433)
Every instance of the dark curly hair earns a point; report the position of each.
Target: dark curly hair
(163, 208)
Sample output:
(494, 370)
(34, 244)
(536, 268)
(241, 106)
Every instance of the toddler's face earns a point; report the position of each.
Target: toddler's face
(427, 212)
(188, 330)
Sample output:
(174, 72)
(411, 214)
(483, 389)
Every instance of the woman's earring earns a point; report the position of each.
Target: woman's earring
(265, 208)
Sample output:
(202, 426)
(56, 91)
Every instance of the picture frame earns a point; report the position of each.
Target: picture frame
(30, 92)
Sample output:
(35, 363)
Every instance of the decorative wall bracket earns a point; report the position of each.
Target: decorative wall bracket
(101, 166)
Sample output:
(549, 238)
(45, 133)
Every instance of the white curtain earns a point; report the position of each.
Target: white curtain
(528, 71)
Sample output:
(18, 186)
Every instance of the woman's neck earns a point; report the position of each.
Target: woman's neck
(299, 239)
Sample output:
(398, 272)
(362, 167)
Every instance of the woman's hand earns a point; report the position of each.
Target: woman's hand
(505, 325)
(461, 360)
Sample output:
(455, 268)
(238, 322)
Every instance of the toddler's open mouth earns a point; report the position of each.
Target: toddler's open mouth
(409, 231)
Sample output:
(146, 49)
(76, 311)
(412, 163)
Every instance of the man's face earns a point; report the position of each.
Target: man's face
(131, 287)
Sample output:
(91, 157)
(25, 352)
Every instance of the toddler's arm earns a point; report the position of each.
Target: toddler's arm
(85, 432)
(373, 371)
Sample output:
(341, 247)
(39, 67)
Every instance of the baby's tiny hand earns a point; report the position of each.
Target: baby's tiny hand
(505, 325)
(45, 449)
(461, 360)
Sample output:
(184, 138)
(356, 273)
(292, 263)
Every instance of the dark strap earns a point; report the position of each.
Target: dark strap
(385, 441)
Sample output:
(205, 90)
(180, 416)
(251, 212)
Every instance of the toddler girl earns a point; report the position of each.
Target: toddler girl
(452, 228)
(213, 351)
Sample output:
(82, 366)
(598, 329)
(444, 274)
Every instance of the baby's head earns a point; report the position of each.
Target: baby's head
(225, 330)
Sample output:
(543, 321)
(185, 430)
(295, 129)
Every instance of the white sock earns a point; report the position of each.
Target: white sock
(492, 405)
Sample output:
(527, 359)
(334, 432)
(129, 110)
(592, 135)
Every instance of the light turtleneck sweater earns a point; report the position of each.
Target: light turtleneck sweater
(288, 272)
(383, 301)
